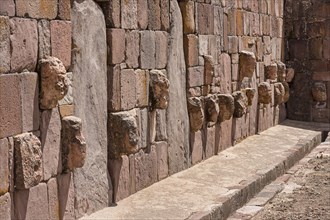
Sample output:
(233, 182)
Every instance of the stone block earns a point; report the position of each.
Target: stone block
(239, 22)
(53, 201)
(132, 48)
(209, 69)
(210, 142)
(281, 71)
(66, 196)
(37, 8)
(196, 113)
(162, 164)
(232, 22)
(205, 18)
(127, 89)
(159, 90)
(124, 180)
(279, 93)
(247, 64)
(7, 8)
(196, 147)
(32, 203)
(28, 161)
(60, 32)
(195, 76)
(203, 45)
(147, 50)
(129, 14)
(145, 168)
(64, 9)
(154, 22)
(225, 135)
(30, 101)
(165, 14)
(4, 167)
(225, 73)
(190, 42)
(188, 16)
(44, 47)
(116, 45)
(114, 88)
(298, 49)
(142, 88)
(5, 206)
(316, 48)
(54, 82)
(4, 43)
(161, 134)
(161, 49)
(66, 110)
(73, 143)
(225, 33)
(145, 127)
(142, 15)
(24, 44)
(10, 105)
(112, 12)
(218, 21)
(232, 44)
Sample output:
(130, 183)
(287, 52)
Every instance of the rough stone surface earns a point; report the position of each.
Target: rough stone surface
(287, 92)
(247, 64)
(188, 16)
(128, 85)
(196, 113)
(129, 14)
(132, 49)
(162, 159)
(10, 105)
(147, 50)
(66, 196)
(5, 206)
(271, 71)
(7, 8)
(116, 44)
(28, 161)
(264, 93)
(4, 43)
(177, 114)
(226, 107)
(89, 92)
(159, 90)
(54, 82)
(250, 93)
(142, 14)
(73, 143)
(53, 201)
(37, 8)
(319, 92)
(44, 47)
(191, 49)
(64, 9)
(208, 69)
(240, 102)
(211, 108)
(4, 166)
(142, 88)
(196, 147)
(24, 43)
(161, 49)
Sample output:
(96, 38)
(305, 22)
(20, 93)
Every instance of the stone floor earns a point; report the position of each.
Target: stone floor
(217, 187)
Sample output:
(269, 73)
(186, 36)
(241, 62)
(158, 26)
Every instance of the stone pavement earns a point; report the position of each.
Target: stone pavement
(222, 184)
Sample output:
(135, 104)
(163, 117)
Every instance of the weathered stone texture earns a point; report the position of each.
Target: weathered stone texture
(264, 93)
(211, 108)
(159, 89)
(154, 22)
(129, 14)
(161, 49)
(37, 8)
(142, 15)
(132, 49)
(142, 88)
(4, 166)
(116, 44)
(188, 16)
(271, 71)
(44, 48)
(4, 44)
(145, 168)
(5, 206)
(127, 89)
(147, 50)
(28, 161)
(53, 202)
(279, 93)
(162, 159)
(319, 92)
(66, 196)
(196, 147)
(240, 102)
(64, 9)
(196, 113)
(7, 8)
(247, 64)
(226, 107)
(24, 43)
(191, 49)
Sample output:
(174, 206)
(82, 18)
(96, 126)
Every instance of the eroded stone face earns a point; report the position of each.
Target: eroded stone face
(196, 113)
(271, 71)
(279, 93)
(281, 71)
(159, 88)
(123, 134)
(211, 108)
(28, 161)
(73, 143)
(319, 92)
(250, 93)
(264, 93)
(54, 82)
(240, 103)
(247, 64)
(286, 92)
(226, 106)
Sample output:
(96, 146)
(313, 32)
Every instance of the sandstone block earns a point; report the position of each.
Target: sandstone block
(142, 87)
(196, 147)
(264, 93)
(188, 16)
(37, 9)
(64, 9)
(32, 203)
(68, 98)
(232, 44)
(205, 18)
(28, 161)
(154, 22)
(145, 168)
(226, 107)
(210, 142)
(148, 49)
(279, 93)
(239, 22)
(315, 48)
(195, 76)
(44, 47)
(4, 167)
(5, 206)
(112, 12)
(10, 105)
(66, 110)
(211, 108)
(247, 64)
(145, 127)
(162, 163)
(73, 143)
(114, 87)
(319, 92)
(127, 89)
(240, 103)
(225, 73)
(132, 48)
(191, 49)
(60, 32)
(196, 113)
(7, 8)
(165, 14)
(129, 14)
(124, 180)
(54, 82)
(4, 43)
(142, 14)
(159, 89)
(161, 49)
(53, 201)
(218, 21)
(208, 69)
(116, 45)
(24, 43)
(271, 71)
(66, 196)
(226, 135)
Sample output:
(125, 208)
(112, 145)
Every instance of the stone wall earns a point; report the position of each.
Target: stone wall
(158, 86)
(307, 33)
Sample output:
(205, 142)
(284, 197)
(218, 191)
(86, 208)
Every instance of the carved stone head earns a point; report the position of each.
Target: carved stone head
(211, 108)
(279, 93)
(240, 102)
(159, 90)
(196, 113)
(281, 71)
(250, 92)
(319, 92)
(226, 107)
(247, 64)
(264, 93)
(271, 71)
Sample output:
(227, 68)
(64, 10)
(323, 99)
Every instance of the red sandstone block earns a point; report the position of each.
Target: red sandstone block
(66, 196)
(210, 143)
(127, 89)
(60, 32)
(142, 14)
(190, 43)
(10, 105)
(239, 22)
(147, 49)
(129, 14)
(4, 44)
(37, 8)
(53, 201)
(5, 207)
(124, 180)
(24, 43)
(116, 45)
(195, 76)
(154, 15)
(132, 48)
(64, 9)
(225, 135)
(205, 19)
(162, 163)
(4, 166)
(164, 14)
(225, 33)
(142, 88)
(232, 22)
(44, 47)
(7, 7)
(114, 87)
(111, 10)
(196, 147)
(161, 49)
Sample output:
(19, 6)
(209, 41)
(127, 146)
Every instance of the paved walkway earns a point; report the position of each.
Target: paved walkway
(218, 186)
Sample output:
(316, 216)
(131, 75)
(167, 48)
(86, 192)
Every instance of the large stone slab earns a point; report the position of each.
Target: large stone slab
(37, 8)
(177, 113)
(90, 95)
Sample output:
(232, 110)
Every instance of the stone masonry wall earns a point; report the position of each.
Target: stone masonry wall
(307, 33)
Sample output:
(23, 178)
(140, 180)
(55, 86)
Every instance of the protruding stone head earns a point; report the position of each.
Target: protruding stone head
(279, 93)
(196, 113)
(264, 93)
(319, 92)
(123, 134)
(271, 71)
(250, 93)
(281, 71)
(247, 64)
(226, 106)
(54, 82)
(159, 90)
(212, 108)
(73, 143)
(287, 92)
(240, 102)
